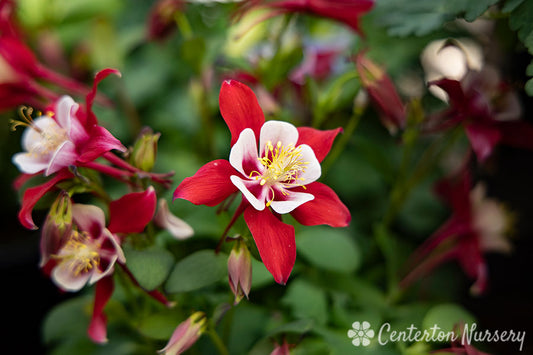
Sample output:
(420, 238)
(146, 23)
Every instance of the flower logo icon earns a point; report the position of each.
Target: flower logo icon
(361, 333)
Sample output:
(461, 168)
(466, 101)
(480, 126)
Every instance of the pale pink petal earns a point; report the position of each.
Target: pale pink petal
(64, 155)
(312, 168)
(66, 117)
(64, 277)
(243, 154)
(97, 275)
(29, 163)
(174, 225)
(65, 108)
(277, 131)
(252, 191)
(89, 218)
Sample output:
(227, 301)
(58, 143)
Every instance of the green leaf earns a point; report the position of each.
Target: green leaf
(329, 249)
(405, 17)
(300, 326)
(511, 5)
(150, 267)
(260, 275)
(159, 326)
(446, 317)
(197, 270)
(67, 319)
(306, 301)
(529, 87)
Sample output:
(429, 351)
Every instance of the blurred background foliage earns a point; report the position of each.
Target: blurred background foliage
(341, 275)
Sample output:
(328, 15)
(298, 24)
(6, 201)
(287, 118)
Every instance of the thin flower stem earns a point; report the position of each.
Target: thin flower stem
(338, 148)
(118, 174)
(121, 163)
(217, 341)
(183, 24)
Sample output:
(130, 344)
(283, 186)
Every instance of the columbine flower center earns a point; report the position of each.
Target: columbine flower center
(80, 253)
(50, 140)
(284, 165)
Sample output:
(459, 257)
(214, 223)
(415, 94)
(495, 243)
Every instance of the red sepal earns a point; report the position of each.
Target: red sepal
(97, 330)
(34, 194)
(132, 212)
(209, 186)
(326, 208)
(319, 141)
(275, 242)
(240, 109)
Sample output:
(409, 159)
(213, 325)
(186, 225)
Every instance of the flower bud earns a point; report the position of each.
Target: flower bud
(161, 18)
(381, 90)
(58, 224)
(145, 150)
(240, 271)
(185, 334)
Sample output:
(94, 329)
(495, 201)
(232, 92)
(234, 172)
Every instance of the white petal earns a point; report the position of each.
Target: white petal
(63, 276)
(312, 169)
(277, 131)
(356, 341)
(365, 341)
(64, 155)
(370, 334)
(174, 225)
(356, 325)
(293, 200)
(244, 151)
(65, 107)
(29, 163)
(366, 325)
(31, 137)
(243, 185)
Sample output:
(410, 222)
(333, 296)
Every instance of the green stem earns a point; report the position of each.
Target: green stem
(217, 341)
(183, 24)
(338, 148)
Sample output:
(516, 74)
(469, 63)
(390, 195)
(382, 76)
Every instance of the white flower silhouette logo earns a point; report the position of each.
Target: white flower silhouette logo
(361, 333)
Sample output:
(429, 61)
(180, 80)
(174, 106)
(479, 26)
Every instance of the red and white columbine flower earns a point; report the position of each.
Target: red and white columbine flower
(68, 136)
(277, 177)
(89, 251)
(478, 225)
(86, 251)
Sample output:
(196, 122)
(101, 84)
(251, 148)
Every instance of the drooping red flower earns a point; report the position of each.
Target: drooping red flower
(70, 136)
(161, 19)
(319, 62)
(488, 110)
(383, 93)
(86, 252)
(275, 166)
(477, 225)
(347, 12)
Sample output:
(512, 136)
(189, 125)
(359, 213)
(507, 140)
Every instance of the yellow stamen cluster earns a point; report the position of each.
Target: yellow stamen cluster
(80, 253)
(284, 167)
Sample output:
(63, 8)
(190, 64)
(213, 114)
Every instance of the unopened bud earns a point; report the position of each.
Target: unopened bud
(57, 224)
(186, 334)
(240, 271)
(145, 150)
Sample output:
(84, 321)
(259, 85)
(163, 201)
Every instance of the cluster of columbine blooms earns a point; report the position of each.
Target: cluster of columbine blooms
(273, 165)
